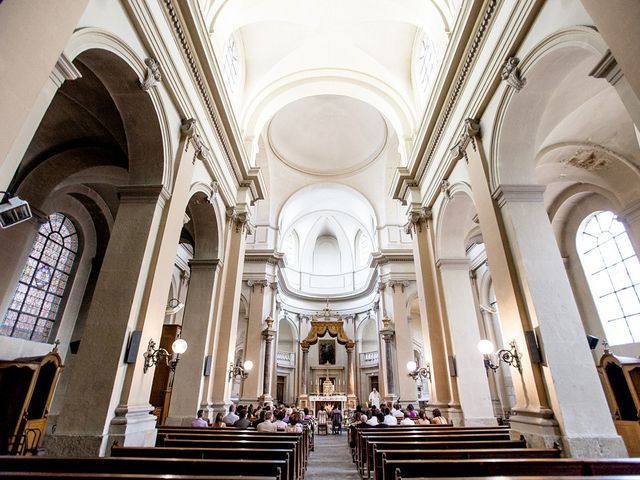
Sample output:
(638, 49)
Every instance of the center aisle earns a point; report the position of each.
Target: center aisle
(331, 459)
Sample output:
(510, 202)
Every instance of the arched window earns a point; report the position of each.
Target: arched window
(35, 305)
(362, 248)
(231, 65)
(613, 272)
(425, 63)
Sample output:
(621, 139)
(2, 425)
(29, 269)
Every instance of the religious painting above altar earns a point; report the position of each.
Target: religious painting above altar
(327, 352)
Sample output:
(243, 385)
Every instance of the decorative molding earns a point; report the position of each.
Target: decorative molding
(190, 130)
(152, 74)
(241, 220)
(590, 160)
(258, 283)
(205, 264)
(518, 193)
(445, 188)
(415, 219)
(64, 70)
(403, 284)
(607, 68)
(470, 130)
(512, 75)
(458, 86)
(453, 264)
(143, 194)
(631, 214)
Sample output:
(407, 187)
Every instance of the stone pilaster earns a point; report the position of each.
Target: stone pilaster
(387, 334)
(258, 303)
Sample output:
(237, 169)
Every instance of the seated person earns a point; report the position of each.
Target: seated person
(294, 426)
(279, 423)
(422, 418)
(407, 419)
(438, 419)
(242, 421)
(267, 425)
(199, 421)
(381, 423)
(231, 417)
(388, 418)
(219, 423)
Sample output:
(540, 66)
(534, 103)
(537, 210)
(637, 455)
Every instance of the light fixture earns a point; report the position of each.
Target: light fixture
(241, 371)
(511, 356)
(422, 372)
(13, 210)
(153, 355)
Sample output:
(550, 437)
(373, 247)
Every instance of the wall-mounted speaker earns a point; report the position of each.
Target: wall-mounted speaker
(453, 372)
(593, 341)
(532, 346)
(207, 365)
(133, 347)
(74, 346)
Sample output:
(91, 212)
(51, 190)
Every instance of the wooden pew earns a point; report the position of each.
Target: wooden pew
(549, 477)
(472, 440)
(456, 454)
(124, 476)
(217, 443)
(143, 466)
(403, 431)
(289, 472)
(398, 469)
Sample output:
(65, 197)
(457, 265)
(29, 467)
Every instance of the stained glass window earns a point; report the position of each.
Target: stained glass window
(35, 305)
(613, 271)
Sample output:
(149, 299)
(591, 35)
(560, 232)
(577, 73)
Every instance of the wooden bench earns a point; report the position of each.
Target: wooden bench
(143, 466)
(217, 443)
(403, 431)
(397, 469)
(442, 442)
(554, 477)
(125, 476)
(456, 454)
(289, 472)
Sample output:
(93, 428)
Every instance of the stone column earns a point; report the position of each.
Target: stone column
(475, 397)
(251, 388)
(237, 227)
(387, 335)
(131, 294)
(406, 386)
(419, 227)
(351, 382)
(532, 290)
(531, 415)
(32, 35)
(189, 380)
(304, 397)
(551, 303)
(268, 334)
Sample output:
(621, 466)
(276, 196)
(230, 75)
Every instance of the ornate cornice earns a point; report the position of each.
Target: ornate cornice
(511, 74)
(455, 91)
(607, 68)
(403, 284)
(152, 74)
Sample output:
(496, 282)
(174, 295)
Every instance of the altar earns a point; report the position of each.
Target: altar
(327, 400)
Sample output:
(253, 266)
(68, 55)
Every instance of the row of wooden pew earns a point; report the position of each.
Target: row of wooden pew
(183, 453)
(445, 451)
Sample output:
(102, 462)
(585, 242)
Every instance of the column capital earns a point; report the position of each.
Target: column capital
(152, 74)
(64, 70)
(189, 129)
(453, 263)
(607, 68)
(511, 74)
(252, 283)
(416, 218)
(398, 283)
(143, 194)
(470, 130)
(518, 193)
(240, 218)
(205, 264)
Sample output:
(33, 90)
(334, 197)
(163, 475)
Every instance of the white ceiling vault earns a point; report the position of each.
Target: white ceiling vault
(287, 50)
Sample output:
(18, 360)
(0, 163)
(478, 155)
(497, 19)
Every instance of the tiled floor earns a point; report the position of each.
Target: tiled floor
(331, 459)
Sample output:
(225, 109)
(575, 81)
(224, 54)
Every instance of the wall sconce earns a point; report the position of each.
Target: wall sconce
(13, 210)
(241, 371)
(422, 372)
(153, 355)
(510, 357)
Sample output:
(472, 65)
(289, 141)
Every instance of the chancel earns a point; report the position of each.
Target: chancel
(424, 206)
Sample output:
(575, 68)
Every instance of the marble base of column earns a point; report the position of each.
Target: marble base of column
(177, 421)
(539, 428)
(132, 426)
(265, 398)
(304, 401)
(391, 398)
(453, 413)
(219, 407)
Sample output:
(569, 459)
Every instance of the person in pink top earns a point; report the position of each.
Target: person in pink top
(200, 422)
